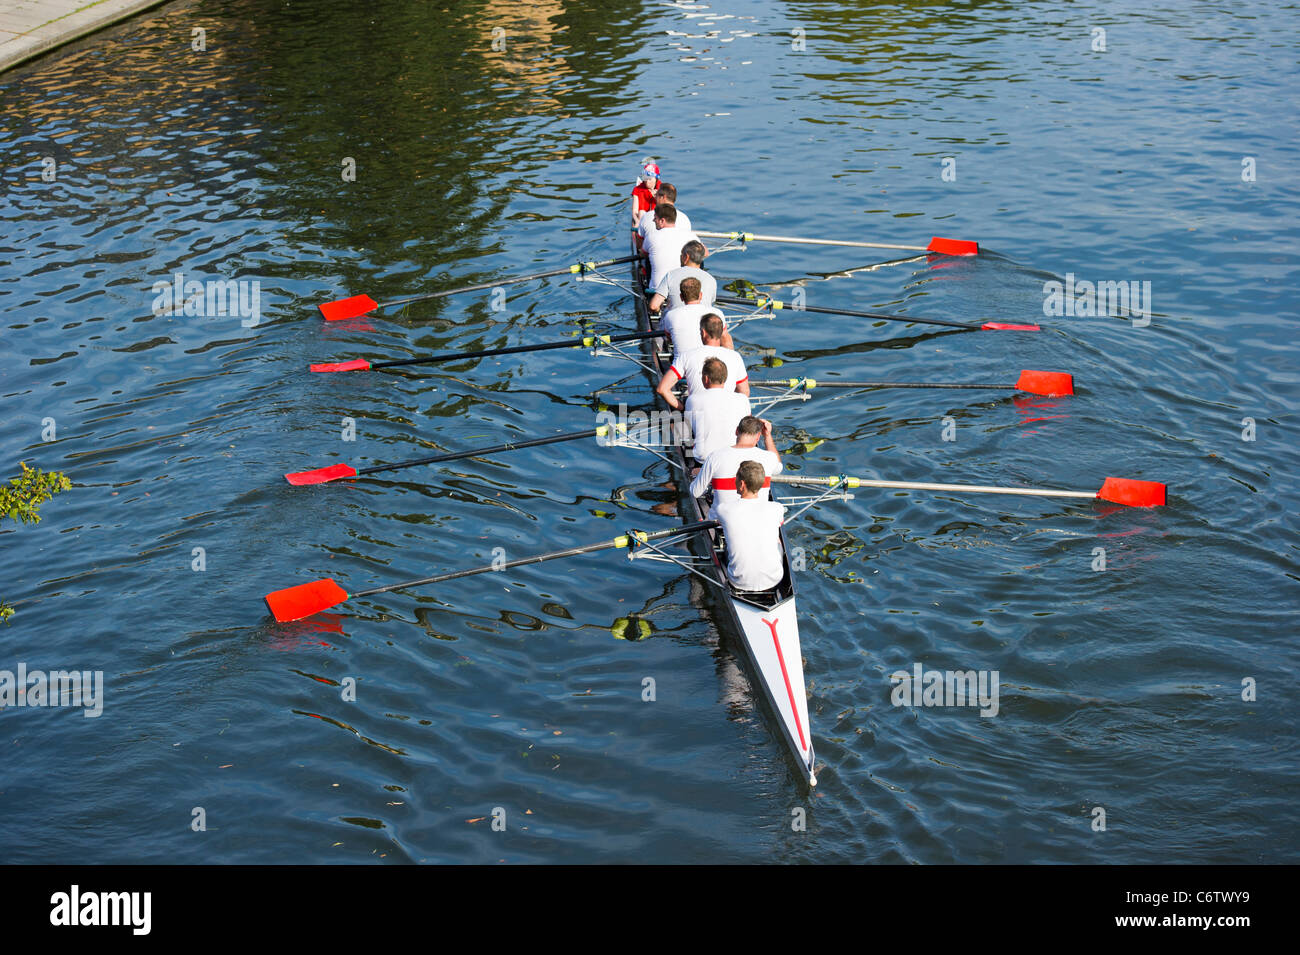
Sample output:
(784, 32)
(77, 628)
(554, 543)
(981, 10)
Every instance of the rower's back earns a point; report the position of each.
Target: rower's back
(752, 529)
(664, 245)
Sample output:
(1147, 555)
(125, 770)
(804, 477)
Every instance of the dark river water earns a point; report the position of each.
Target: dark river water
(1147, 710)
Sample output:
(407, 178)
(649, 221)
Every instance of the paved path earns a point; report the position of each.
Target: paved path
(29, 28)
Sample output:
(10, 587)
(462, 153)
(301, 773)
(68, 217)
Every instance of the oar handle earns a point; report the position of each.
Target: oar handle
(586, 341)
(764, 301)
(483, 452)
(928, 486)
(624, 540)
(752, 237)
(577, 269)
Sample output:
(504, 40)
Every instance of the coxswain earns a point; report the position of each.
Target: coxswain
(643, 193)
(717, 474)
(664, 245)
(714, 413)
(752, 528)
(669, 287)
(682, 324)
(688, 366)
(666, 192)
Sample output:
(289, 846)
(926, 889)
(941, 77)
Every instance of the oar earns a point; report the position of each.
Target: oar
(294, 603)
(1050, 383)
(589, 341)
(336, 471)
(764, 302)
(361, 304)
(937, 244)
(1115, 490)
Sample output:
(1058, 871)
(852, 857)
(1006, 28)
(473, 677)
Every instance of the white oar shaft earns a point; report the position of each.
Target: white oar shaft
(926, 486)
(797, 241)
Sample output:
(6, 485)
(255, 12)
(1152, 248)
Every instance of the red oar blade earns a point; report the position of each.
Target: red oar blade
(953, 246)
(348, 308)
(321, 475)
(1005, 327)
(356, 364)
(294, 603)
(1132, 493)
(1050, 383)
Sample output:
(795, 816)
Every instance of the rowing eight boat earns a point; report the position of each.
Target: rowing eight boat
(766, 626)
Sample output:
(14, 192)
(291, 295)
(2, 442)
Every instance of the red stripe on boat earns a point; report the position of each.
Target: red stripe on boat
(780, 657)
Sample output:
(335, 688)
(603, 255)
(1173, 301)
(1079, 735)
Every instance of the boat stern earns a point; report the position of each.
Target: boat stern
(772, 636)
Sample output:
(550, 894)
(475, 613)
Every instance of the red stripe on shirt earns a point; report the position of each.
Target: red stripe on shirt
(729, 484)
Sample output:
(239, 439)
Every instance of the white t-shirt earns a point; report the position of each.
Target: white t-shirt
(753, 531)
(670, 287)
(683, 325)
(713, 415)
(690, 366)
(646, 225)
(719, 472)
(664, 246)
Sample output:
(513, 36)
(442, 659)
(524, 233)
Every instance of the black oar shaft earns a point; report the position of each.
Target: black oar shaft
(513, 349)
(567, 270)
(890, 318)
(539, 558)
(851, 313)
(483, 452)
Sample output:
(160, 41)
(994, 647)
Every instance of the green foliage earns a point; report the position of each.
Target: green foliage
(27, 492)
(21, 501)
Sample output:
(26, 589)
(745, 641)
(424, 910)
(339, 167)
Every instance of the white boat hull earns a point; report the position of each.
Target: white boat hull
(772, 640)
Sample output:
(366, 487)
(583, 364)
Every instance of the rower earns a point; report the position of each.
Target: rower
(682, 324)
(714, 413)
(752, 528)
(643, 193)
(689, 365)
(719, 467)
(670, 286)
(666, 192)
(664, 245)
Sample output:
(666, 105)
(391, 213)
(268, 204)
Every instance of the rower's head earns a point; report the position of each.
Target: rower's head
(711, 328)
(666, 192)
(749, 431)
(665, 216)
(693, 253)
(749, 479)
(690, 290)
(714, 373)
